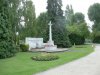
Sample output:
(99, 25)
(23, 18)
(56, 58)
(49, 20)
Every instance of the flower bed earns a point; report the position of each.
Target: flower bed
(45, 57)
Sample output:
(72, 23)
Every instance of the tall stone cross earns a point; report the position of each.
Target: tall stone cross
(50, 31)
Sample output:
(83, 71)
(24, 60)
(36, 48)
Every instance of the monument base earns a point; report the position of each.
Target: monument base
(49, 47)
(50, 42)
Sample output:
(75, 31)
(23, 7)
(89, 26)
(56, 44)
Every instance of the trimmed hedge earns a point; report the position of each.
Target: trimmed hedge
(45, 57)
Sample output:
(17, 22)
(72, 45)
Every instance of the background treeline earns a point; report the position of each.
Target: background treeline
(76, 26)
(94, 16)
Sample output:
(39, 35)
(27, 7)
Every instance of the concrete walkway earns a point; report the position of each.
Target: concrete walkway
(89, 65)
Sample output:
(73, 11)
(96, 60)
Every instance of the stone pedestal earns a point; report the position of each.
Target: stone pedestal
(50, 42)
(50, 46)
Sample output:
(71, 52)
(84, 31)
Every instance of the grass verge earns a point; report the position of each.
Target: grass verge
(22, 64)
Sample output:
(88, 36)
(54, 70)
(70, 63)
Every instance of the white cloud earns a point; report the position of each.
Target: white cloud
(78, 6)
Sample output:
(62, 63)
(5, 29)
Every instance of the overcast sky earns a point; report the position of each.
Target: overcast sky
(78, 6)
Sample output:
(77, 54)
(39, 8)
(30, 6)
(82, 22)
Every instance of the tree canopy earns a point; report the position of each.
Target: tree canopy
(69, 15)
(93, 12)
(79, 17)
(94, 15)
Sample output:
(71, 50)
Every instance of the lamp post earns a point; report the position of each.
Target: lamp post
(17, 33)
(17, 38)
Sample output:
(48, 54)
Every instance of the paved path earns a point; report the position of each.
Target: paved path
(89, 65)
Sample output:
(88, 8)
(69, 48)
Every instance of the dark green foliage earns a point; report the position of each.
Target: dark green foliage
(94, 15)
(55, 14)
(95, 36)
(78, 29)
(78, 33)
(7, 45)
(42, 26)
(76, 39)
(93, 12)
(60, 33)
(79, 17)
(96, 26)
(45, 57)
(12, 14)
(54, 9)
(60, 37)
(24, 47)
(96, 39)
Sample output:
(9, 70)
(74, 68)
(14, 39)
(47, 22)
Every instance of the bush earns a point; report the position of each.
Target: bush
(7, 44)
(77, 39)
(24, 47)
(96, 39)
(60, 36)
(45, 57)
(7, 53)
(96, 36)
(60, 41)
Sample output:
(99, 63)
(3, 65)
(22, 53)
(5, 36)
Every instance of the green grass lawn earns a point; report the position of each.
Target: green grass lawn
(22, 64)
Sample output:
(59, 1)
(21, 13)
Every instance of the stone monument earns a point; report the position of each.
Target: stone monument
(50, 44)
(34, 42)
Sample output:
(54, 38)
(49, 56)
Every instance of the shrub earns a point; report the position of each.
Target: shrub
(24, 47)
(45, 57)
(60, 36)
(7, 44)
(77, 39)
(96, 39)
(96, 36)
(6, 52)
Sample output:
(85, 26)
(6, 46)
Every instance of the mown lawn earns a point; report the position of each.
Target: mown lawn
(22, 64)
